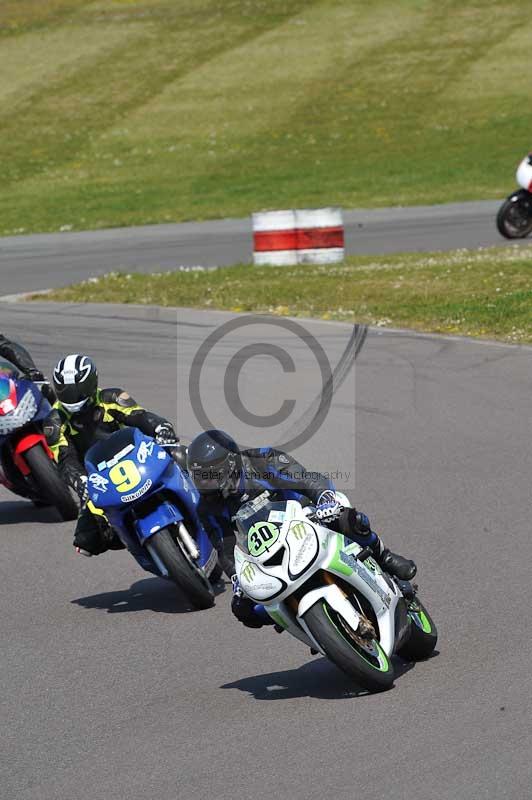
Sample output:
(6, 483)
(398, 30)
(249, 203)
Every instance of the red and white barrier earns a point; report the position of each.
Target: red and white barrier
(302, 236)
(274, 238)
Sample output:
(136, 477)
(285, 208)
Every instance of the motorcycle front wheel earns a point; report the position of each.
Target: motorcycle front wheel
(360, 657)
(51, 487)
(514, 220)
(181, 569)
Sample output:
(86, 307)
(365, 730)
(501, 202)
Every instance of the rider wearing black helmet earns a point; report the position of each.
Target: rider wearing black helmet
(226, 477)
(22, 360)
(83, 414)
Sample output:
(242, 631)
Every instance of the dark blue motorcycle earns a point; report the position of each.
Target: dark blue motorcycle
(152, 505)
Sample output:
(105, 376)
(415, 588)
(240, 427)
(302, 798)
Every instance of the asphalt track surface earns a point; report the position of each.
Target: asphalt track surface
(29, 263)
(111, 688)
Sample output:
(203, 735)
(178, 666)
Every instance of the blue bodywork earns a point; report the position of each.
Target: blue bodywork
(141, 490)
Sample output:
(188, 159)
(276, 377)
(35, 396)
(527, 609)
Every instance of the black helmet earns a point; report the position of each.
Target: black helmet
(75, 381)
(214, 463)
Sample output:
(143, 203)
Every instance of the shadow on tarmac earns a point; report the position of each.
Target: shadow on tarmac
(318, 678)
(150, 594)
(16, 512)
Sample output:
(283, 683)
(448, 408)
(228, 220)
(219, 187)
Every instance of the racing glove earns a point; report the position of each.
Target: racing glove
(36, 376)
(81, 489)
(328, 508)
(165, 434)
(46, 388)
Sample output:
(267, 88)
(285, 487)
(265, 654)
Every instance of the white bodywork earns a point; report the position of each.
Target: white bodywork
(308, 547)
(524, 173)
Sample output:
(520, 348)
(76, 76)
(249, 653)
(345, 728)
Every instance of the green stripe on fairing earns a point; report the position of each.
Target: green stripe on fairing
(425, 622)
(335, 562)
(382, 655)
(421, 620)
(277, 618)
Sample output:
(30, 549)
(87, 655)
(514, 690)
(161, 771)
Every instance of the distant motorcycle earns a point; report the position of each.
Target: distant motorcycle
(151, 503)
(27, 466)
(514, 220)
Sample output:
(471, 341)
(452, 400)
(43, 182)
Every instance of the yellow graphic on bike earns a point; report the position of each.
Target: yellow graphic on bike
(125, 476)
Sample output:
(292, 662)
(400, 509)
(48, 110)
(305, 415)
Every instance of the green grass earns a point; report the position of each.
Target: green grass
(123, 112)
(485, 293)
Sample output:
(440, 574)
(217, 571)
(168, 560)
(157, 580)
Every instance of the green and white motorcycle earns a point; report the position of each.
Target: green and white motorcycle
(329, 592)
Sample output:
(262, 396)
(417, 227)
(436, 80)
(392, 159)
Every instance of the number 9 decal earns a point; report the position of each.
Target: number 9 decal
(125, 476)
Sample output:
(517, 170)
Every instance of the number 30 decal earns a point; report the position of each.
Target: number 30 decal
(125, 476)
(261, 536)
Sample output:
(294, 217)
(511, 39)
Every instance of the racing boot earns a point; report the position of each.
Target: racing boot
(403, 568)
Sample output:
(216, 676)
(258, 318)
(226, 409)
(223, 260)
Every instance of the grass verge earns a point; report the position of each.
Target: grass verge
(128, 112)
(484, 293)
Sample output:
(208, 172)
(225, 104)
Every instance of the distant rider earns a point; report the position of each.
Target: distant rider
(227, 477)
(84, 414)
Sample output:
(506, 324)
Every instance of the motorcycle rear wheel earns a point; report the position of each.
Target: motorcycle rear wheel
(182, 570)
(514, 219)
(423, 633)
(360, 658)
(52, 489)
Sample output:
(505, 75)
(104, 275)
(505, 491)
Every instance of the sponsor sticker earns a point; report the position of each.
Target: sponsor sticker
(128, 498)
(98, 481)
(145, 450)
(362, 572)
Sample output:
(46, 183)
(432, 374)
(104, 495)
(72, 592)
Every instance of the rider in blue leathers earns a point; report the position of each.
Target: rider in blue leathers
(227, 477)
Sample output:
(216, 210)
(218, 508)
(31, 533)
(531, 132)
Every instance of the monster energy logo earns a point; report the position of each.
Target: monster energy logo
(248, 572)
(299, 529)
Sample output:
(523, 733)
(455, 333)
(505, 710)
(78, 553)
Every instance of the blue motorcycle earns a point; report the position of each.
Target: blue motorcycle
(151, 503)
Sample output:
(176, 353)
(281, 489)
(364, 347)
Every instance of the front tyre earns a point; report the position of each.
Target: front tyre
(514, 220)
(423, 633)
(181, 569)
(360, 657)
(51, 487)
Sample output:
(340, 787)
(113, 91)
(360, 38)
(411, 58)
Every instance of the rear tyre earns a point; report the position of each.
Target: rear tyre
(182, 569)
(514, 220)
(49, 484)
(361, 658)
(423, 633)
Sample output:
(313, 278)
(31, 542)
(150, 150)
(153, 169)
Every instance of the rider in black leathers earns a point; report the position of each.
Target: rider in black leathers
(83, 414)
(227, 477)
(20, 358)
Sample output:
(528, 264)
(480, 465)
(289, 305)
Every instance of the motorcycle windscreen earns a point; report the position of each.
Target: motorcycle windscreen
(257, 522)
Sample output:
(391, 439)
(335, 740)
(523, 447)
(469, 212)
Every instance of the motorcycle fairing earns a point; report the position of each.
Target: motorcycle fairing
(31, 439)
(164, 515)
(171, 495)
(271, 584)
